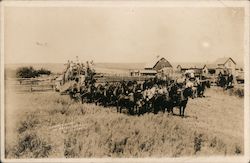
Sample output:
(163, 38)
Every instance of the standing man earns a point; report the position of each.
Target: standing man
(230, 80)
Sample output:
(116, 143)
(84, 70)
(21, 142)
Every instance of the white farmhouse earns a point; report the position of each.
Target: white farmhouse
(226, 63)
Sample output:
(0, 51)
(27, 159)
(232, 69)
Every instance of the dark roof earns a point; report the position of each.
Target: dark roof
(154, 62)
(191, 65)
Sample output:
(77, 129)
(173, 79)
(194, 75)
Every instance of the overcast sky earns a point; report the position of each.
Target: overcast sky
(122, 34)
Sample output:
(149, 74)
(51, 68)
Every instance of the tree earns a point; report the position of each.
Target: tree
(43, 71)
(30, 72)
(26, 72)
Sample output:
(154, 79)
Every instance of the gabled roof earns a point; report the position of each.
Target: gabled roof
(154, 61)
(166, 62)
(223, 60)
(191, 65)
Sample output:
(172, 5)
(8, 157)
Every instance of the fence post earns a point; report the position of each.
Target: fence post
(31, 86)
(52, 86)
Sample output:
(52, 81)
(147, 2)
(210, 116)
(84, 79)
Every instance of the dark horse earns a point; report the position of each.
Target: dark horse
(179, 98)
(222, 81)
(127, 102)
(201, 88)
(73, 93)
(161, 102)
(99, 95)
(87, 93)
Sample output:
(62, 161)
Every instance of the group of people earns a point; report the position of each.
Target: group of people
(138, 96)
(154, 94)
(78, 71)
(225, 80)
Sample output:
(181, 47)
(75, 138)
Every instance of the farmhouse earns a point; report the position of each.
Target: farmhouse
(225, 63)
(222, 65)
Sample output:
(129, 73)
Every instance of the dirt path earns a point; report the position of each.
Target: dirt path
(219, 113)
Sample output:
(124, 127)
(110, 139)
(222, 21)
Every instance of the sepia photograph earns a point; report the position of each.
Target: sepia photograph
(124, 80)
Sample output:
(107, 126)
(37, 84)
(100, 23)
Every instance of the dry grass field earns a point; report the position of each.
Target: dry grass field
(46, 124)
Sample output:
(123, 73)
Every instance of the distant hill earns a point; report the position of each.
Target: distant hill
(120, 66)
(113, 68)
(59, 67)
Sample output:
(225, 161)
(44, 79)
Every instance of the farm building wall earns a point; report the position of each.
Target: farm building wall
(219, 70)
(166, 71)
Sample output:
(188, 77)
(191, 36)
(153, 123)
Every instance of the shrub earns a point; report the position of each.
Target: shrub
(43, 71)
(26, 72)
(197, 143)
(28, 123)
(238, 150)
(72, 147)
(30, 72)
(30, 144)
(240, 92)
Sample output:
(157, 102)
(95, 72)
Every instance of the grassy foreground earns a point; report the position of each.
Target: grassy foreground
(50, 125)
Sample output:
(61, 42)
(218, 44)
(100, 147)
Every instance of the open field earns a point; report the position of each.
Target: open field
(45, 124)
(111, 68)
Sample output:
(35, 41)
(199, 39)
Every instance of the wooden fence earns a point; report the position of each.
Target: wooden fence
(32, 84)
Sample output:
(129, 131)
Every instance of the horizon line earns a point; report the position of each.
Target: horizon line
(101, 62)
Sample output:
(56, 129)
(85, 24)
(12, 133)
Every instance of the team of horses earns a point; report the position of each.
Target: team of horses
(225, 81)
(137, 98)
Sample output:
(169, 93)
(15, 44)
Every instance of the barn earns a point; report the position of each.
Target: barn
(158, 65)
